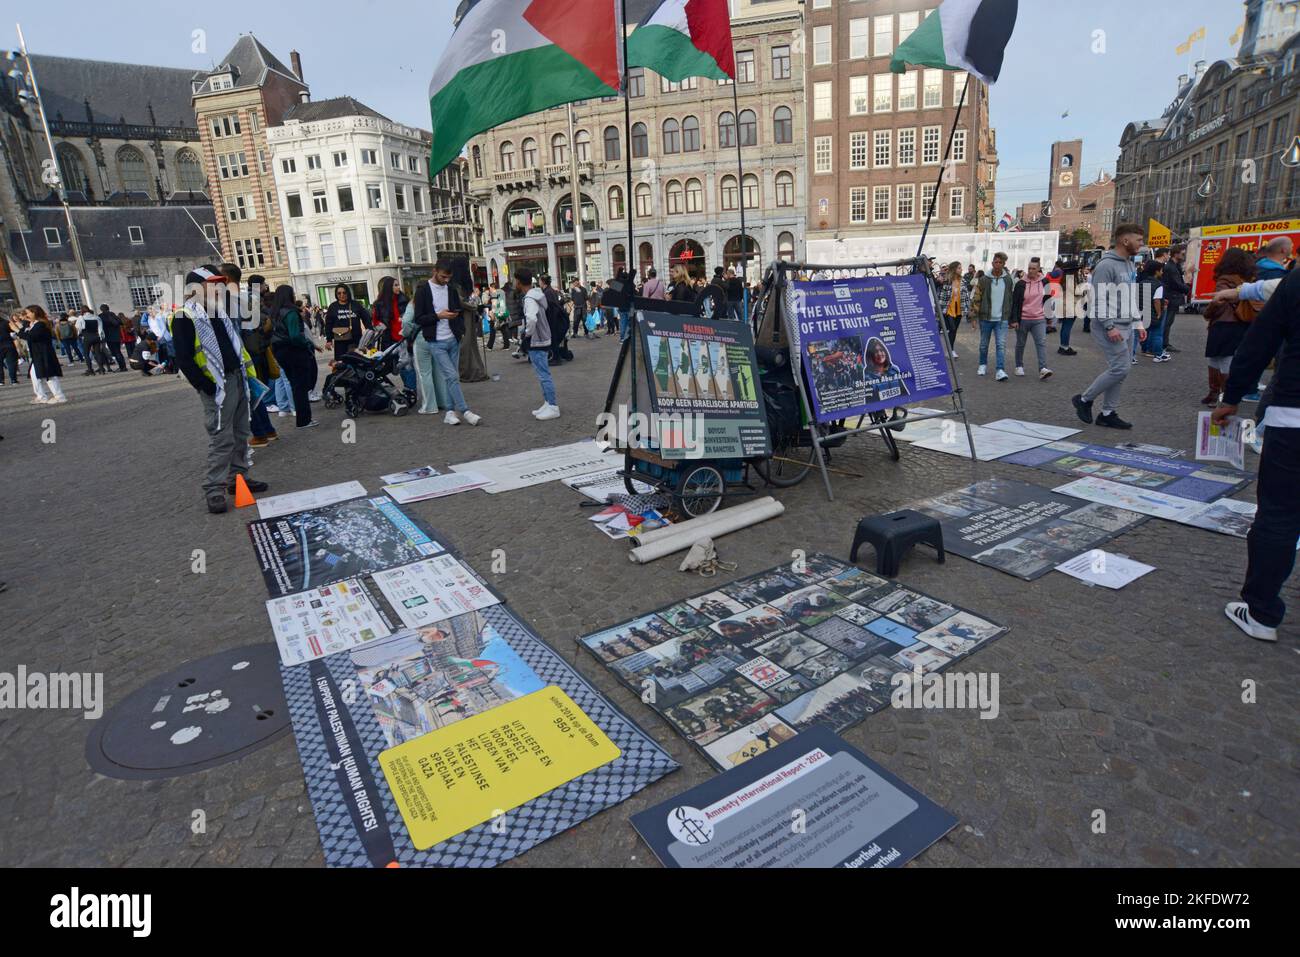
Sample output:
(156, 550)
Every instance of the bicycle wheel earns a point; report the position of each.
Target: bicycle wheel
(790, 463)
(700, 490)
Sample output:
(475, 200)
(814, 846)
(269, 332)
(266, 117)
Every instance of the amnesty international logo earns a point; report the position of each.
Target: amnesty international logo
(690, 826)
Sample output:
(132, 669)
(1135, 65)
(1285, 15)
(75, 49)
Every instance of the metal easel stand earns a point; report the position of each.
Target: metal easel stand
(796, 358)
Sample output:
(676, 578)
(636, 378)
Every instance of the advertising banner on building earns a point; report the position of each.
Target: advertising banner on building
(869, 344)
(1214, 241)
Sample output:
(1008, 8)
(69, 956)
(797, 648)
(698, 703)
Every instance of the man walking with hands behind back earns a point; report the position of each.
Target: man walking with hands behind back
(537, 333)
(1116, 318)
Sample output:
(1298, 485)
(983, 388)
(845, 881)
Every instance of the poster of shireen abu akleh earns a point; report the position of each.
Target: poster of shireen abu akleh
(869, 344)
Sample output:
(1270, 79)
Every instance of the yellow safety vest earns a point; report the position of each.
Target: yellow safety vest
(200, 357)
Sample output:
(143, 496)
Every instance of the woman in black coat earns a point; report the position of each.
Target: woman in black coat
(8, 354)
(345, 321)
(38, 332)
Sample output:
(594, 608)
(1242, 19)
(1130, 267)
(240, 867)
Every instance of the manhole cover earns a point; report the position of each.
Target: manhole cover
(204, 714)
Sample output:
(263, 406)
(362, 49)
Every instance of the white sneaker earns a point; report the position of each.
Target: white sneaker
(540, 409)
(472, 419)
(40, 401)
(954, 354)
(1003, 377)
(285, 415)
(314, 396)
(1020, 372)
(551, 412)
(58, 400)
(272, 408)
(983, 370)
(1044, 374)
(1238, 613)
(451, 419)
(429, 412)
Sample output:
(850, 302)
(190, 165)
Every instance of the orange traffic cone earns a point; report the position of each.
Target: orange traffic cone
(243, 497)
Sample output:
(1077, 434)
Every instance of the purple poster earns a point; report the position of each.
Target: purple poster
(870, 344)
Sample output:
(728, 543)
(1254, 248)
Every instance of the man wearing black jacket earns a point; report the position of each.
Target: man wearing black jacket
(1177, 292)
(112, 329)
(441, 320)
(711, 303)
(1271, 545)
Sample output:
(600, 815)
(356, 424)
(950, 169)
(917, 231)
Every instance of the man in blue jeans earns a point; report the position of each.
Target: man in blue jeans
(441, 320)
(991, 307)
(537, 333)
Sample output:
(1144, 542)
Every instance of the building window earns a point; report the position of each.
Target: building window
(640, 141)
(880, 204)
(748, 128)
(190, 172)
(781, 62)
(959, 147)
(907, 147)
(319, 201)
(404, 238)
(882, 85)
(210, 232)
(613, 145)
(784, 189)
(327, 257)
(822, 151)
(293, 202)
(673, 197)
(290, 166)
(345, 199)
(399, 198)
(933, 93)
(135, 174)
(858, 204)
(224, 127)
(860, 38)
(616, 202)
(694, 196)
(749, 192)
(560, 149)
(379, 241)
(857, 151)
(369, 157)
(672, 137)
(884, 36)
(413, 164)
(882, 148)
(524, 218)
(135, 235)
(529, 153)
(636, 82)
(417, 199)
(726, 130)
(232, 165)
(374, 196)
(931, 137)
(906, 203)
(859, 95)
(301, 252)
(582, 144)
(821, 45)
(507, 152)
(643, 200)
(142, 290)
(730, 194)
(907, 90)
(907, 24)
(239, 208)
(340, 159)
(52, 237)
(248, 253)
(745, 66)
(959, 84)
(690, 135)
(823, 100)
(957, 203)
(928, 192)
(477, 154)
(263, 162)
(395, 160)
(352, 246)
(785, 247)
(61, 295)
(313, 162)
(783, 125)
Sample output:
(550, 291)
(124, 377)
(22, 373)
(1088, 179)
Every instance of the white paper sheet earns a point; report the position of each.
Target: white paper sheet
(439, 486)
(433, 590)
(1036, 430)
(599, 486)
(539, 466)
(291, 502)
(990, 444)
(412, 475)
(324, 621)
(1105, 569)
(1225, 444)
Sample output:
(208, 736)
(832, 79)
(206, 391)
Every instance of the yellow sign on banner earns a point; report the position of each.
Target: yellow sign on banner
(475, 770)
(1183, 48)
(1158, 234)
(1198, 35)
(1249, 229)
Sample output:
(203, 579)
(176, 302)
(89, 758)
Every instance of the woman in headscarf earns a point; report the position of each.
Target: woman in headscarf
(346, 320)
(294, 351)
(386, 311)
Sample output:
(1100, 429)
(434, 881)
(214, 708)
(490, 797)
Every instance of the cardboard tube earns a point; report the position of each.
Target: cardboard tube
(670, 531)
(733, 520)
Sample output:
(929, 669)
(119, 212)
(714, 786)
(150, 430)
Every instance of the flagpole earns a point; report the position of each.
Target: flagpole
(740, 168)
(629, 204)
(943, 167)
(579, 239)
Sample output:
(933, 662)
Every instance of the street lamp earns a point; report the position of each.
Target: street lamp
(51, 175)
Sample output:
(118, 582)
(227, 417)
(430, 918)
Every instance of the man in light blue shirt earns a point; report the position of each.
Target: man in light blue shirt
(991, 307)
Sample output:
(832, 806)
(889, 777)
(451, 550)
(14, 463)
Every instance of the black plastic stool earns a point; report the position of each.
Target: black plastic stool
(893, 536)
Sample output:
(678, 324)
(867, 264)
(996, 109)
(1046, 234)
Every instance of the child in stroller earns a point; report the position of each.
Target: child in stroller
(361, 383)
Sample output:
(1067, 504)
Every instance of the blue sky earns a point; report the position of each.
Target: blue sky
(380, 53)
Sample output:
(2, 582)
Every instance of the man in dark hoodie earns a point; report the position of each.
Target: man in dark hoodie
(711, 302)
(112, 330)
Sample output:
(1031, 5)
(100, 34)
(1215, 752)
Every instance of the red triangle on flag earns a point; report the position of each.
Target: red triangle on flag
(587, 30)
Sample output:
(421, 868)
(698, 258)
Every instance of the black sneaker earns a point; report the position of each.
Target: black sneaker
(1113, 421)
(253, 486)
(1083, 410)
(216, 503)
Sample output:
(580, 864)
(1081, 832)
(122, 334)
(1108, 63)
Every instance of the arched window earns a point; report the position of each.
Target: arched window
(745, 258)
(189, 172)
(564, 215)
(524, 218)
(619, 255)
(640, 141)
(750, 190)
(647, 255)
(785, 247)
(730, 194)
(690, 135)
(783, 125)
(582, 144)
(507, 156)
(748, 128)
(613, 144)
(559, 149)
(694, 196)
(616, 202)
(131, 167)
(478, 161)
(528, 153)
(673, 196)
(784, 189)
(672, 137)
(71, 169)
(727, 131)
(644, 205)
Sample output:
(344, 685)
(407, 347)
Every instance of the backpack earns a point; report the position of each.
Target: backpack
(65, 329)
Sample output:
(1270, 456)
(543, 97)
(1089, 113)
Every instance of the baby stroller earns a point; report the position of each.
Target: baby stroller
(361, 383)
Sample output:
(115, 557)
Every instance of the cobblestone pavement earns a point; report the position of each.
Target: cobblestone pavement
(1130, 702)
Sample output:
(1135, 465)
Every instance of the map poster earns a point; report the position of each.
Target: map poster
(854, 813)
(743, 669)
(485, 766)
(704, 387)
(308, 550)
(1023, 530)
(869, 344)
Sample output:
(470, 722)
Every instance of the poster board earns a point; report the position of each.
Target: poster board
(704, 387)
(1197, 481)
(745, 667)
(1023, 530)
(1214, 241)
(509, 473)
(856, 814)
(869, 345)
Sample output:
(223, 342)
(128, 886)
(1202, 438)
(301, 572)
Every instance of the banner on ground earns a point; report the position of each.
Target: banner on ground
(740, 670)
(869, 345)
(1177, 477)
(856, 814)
(526, 469)
(704, 388)
(1022, 529)
(1226, 516)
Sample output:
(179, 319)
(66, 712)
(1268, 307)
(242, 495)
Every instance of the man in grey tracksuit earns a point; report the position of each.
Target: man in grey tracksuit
(1116, 318)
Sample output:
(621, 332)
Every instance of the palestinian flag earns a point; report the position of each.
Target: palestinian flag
(509, 58)
(970, 35)
(684, 38)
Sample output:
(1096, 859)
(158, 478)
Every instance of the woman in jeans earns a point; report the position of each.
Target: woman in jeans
(294, 352)
(441, 319)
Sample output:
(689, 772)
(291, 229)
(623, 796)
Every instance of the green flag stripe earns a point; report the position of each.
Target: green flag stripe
(670, 53)
(923, 48)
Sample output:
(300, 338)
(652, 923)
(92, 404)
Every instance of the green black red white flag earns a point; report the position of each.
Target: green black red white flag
(970, 35)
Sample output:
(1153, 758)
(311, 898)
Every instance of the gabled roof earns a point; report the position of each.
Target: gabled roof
(104, 231)
(248, 63)
(331, 110)
(116, 91)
